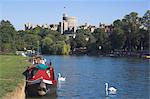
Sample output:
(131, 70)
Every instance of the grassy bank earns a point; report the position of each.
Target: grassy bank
(11, 68)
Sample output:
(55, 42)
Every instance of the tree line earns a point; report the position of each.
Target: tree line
(129, 34)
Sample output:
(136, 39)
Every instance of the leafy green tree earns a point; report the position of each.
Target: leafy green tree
(100, 36)
(47, 41)
(46, 45)
(146, 20)
(7, 36)
(91, 44)
(145, 30)
(54, 43)
(59, 47)
(80, 40)
(83, 31)
(31, 41)
(20, 41)
(102, 40)
(83, 38)
(66, 49)
(144, 40)
(37, 30)
(131, 24)
(71, 41)
(56, 36)
(117, 37)
(44, 32)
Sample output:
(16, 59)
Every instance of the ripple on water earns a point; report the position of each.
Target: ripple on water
(85, 77)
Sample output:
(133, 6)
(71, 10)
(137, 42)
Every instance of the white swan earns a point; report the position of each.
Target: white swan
(60, 78)
(110, 90)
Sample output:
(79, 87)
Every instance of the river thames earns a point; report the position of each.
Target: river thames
(86, 75)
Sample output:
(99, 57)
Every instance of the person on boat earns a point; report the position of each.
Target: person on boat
(41, 64)
(34, 60)
(38, 64)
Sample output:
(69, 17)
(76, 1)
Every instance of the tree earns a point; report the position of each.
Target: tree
(37, 30)
(59, 47)
(31, 41)
(144, 40)
(83, 31)
(102, 40)
(131, 24)
(47, 41)
(144, 31)
(80, 40)
(72, 43)
(66, 49)
(54, 43)
(146, 20)
(46, 45)
(20, 41)
(100, 36)
(117, 37)
(7, 37)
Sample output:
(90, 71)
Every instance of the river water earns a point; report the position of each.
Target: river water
(86, 75)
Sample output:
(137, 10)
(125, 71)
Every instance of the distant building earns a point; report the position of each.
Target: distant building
(71, 35)
(45, 26)
(107, 28)
(54, 27)
(89, 27)
(68, 25)
(28, 26)
(92, 28)
(83, 26)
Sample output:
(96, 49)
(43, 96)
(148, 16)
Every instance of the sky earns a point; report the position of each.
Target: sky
(19, 12)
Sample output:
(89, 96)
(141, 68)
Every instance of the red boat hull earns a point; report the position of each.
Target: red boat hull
(41, 82)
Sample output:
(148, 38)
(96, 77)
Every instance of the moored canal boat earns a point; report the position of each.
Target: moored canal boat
(39, 80)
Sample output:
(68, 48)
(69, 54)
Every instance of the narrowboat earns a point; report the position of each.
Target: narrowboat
(40, 81)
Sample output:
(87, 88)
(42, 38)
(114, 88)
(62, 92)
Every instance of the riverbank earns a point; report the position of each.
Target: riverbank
(136, 54)
(11, 68)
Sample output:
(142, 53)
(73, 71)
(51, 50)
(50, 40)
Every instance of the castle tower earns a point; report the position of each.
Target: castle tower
(69, 24)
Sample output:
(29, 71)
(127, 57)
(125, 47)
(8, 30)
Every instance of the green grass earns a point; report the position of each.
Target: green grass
(11, 68)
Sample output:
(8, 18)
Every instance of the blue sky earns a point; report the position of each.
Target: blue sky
(93, 12)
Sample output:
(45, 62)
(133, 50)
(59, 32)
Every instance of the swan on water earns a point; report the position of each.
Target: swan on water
(60, 78)
(110, 90)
